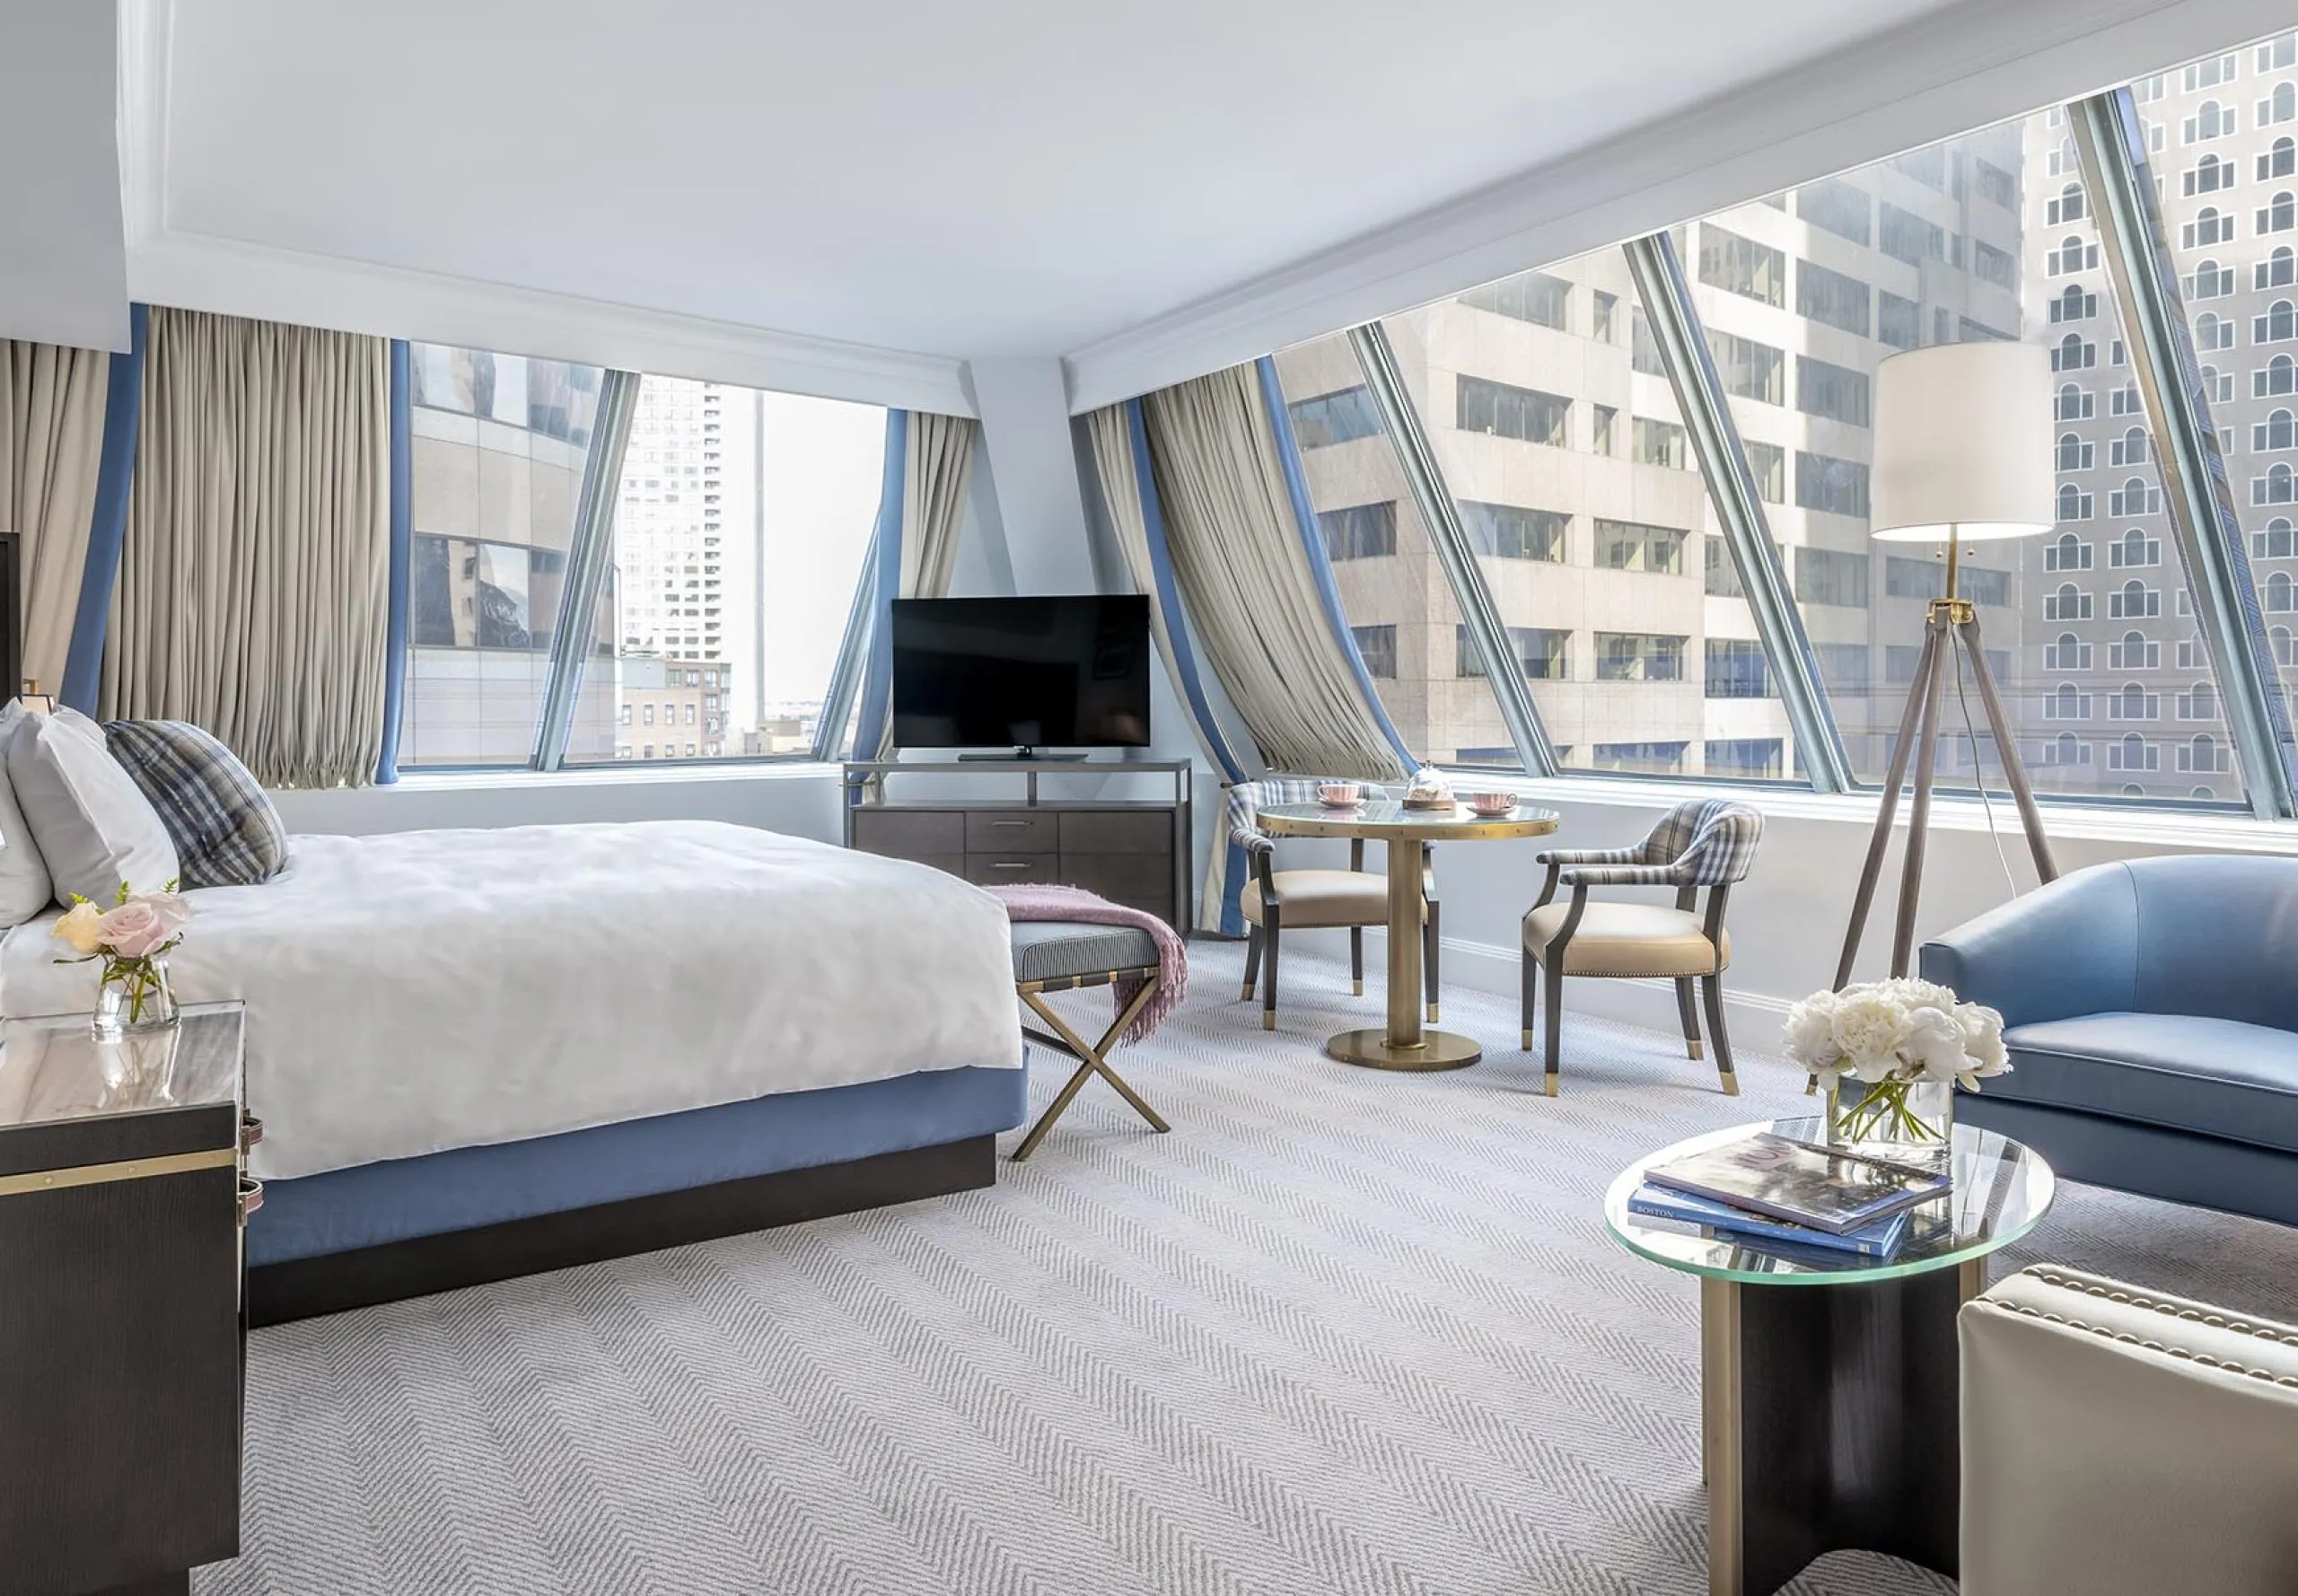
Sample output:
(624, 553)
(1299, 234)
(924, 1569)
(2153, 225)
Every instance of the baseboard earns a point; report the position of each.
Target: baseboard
(304, 1287)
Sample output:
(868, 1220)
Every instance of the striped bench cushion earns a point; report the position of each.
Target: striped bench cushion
(225, 830)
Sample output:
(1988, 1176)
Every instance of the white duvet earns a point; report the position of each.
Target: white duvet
(425, 990)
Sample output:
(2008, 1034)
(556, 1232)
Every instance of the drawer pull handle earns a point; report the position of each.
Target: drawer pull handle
(1016, 825)
(251, 1196)
(1010, 864)
(251, 1131)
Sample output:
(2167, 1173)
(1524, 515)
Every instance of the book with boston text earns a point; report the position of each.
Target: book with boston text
(1801, 1183)
(1881, 1240)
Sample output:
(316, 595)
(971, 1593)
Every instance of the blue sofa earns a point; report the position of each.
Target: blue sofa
(2151, 1009)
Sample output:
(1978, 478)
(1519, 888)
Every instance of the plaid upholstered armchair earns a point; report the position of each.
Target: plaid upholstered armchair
(1275, 899)
(1707, 844)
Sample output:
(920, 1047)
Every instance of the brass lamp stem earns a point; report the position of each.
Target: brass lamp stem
(1954, 558)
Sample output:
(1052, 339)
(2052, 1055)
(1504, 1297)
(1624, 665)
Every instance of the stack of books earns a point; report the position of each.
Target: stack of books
(1779, 1195)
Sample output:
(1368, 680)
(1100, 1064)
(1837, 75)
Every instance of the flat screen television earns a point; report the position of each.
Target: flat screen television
(1022, 675)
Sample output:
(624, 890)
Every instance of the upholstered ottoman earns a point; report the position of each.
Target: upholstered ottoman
(1060, 956)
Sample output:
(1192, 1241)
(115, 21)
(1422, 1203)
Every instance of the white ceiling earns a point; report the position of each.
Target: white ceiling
(857, 201)
(1006, 177)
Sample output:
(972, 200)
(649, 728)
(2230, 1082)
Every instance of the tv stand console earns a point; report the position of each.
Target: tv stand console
(1132, 850)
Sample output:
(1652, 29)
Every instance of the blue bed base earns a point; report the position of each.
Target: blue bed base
(465, 1188)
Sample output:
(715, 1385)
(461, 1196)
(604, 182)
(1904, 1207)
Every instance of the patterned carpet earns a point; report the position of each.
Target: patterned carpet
(1341, 1331)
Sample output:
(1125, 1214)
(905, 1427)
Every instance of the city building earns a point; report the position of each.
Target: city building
(1559, 436)
(498, 444)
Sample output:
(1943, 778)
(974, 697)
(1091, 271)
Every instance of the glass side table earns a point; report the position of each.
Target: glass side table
(1828, 1383)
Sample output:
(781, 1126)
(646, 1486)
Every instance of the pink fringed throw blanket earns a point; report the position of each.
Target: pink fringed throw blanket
(1076, 904)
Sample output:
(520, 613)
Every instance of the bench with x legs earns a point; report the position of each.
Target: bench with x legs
(1063, 956)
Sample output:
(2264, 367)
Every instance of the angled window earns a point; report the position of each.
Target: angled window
(2278, 270)
(2278, 214)
(2281, 106)
(496, 456)
(740, 528)
(2279, 160)
(1392, 591)
(2067, 205)
(2074, 452)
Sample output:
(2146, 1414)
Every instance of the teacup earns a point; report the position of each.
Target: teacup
(1340, 794)
(1491, 803)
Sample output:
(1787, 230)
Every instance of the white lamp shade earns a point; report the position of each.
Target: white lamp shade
(1963, 444)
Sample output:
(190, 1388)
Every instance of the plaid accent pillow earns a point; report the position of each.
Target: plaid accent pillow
(226, 832)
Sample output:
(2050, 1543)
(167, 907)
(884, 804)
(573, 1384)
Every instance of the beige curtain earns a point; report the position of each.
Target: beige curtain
(51, 449)
(1244, 575)
(937, 470)
(254, 585)
(1111, 435)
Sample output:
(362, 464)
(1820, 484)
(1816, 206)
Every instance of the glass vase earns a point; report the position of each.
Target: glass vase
(136, 998)
(1898, 1121)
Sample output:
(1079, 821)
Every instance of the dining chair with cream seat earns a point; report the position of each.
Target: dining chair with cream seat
(1705, 845)
(1314, 899)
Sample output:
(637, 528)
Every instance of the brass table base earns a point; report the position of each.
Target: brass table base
(1436, 1050)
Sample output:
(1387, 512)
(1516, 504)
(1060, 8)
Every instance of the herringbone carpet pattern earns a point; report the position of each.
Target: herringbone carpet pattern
(1340, 1331)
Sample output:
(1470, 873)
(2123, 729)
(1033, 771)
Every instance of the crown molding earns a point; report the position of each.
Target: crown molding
(1975, 63)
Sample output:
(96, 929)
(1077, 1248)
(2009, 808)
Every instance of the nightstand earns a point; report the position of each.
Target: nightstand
(122, 1200)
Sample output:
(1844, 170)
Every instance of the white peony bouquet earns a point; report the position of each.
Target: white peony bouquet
(1892, 1035)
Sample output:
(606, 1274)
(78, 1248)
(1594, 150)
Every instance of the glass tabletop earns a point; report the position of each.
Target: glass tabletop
(2001, 1187)
(1389, 817)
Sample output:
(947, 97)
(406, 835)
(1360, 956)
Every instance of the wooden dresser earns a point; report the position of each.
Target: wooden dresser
(121, 1206)
(1136, 851)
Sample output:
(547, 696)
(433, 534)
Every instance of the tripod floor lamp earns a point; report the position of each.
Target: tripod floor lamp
(1963, 452)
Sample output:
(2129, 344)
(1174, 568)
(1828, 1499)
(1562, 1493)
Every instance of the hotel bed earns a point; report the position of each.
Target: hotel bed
(476, 1054)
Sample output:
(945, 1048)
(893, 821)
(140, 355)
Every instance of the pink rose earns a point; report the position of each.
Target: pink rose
(135, 929)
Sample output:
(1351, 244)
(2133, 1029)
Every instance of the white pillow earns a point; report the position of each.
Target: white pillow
(24, 887)
(94, 827)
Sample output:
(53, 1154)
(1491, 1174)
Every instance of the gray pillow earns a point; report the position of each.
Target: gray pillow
(24, 887)
(94, 827)
(225, 831)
